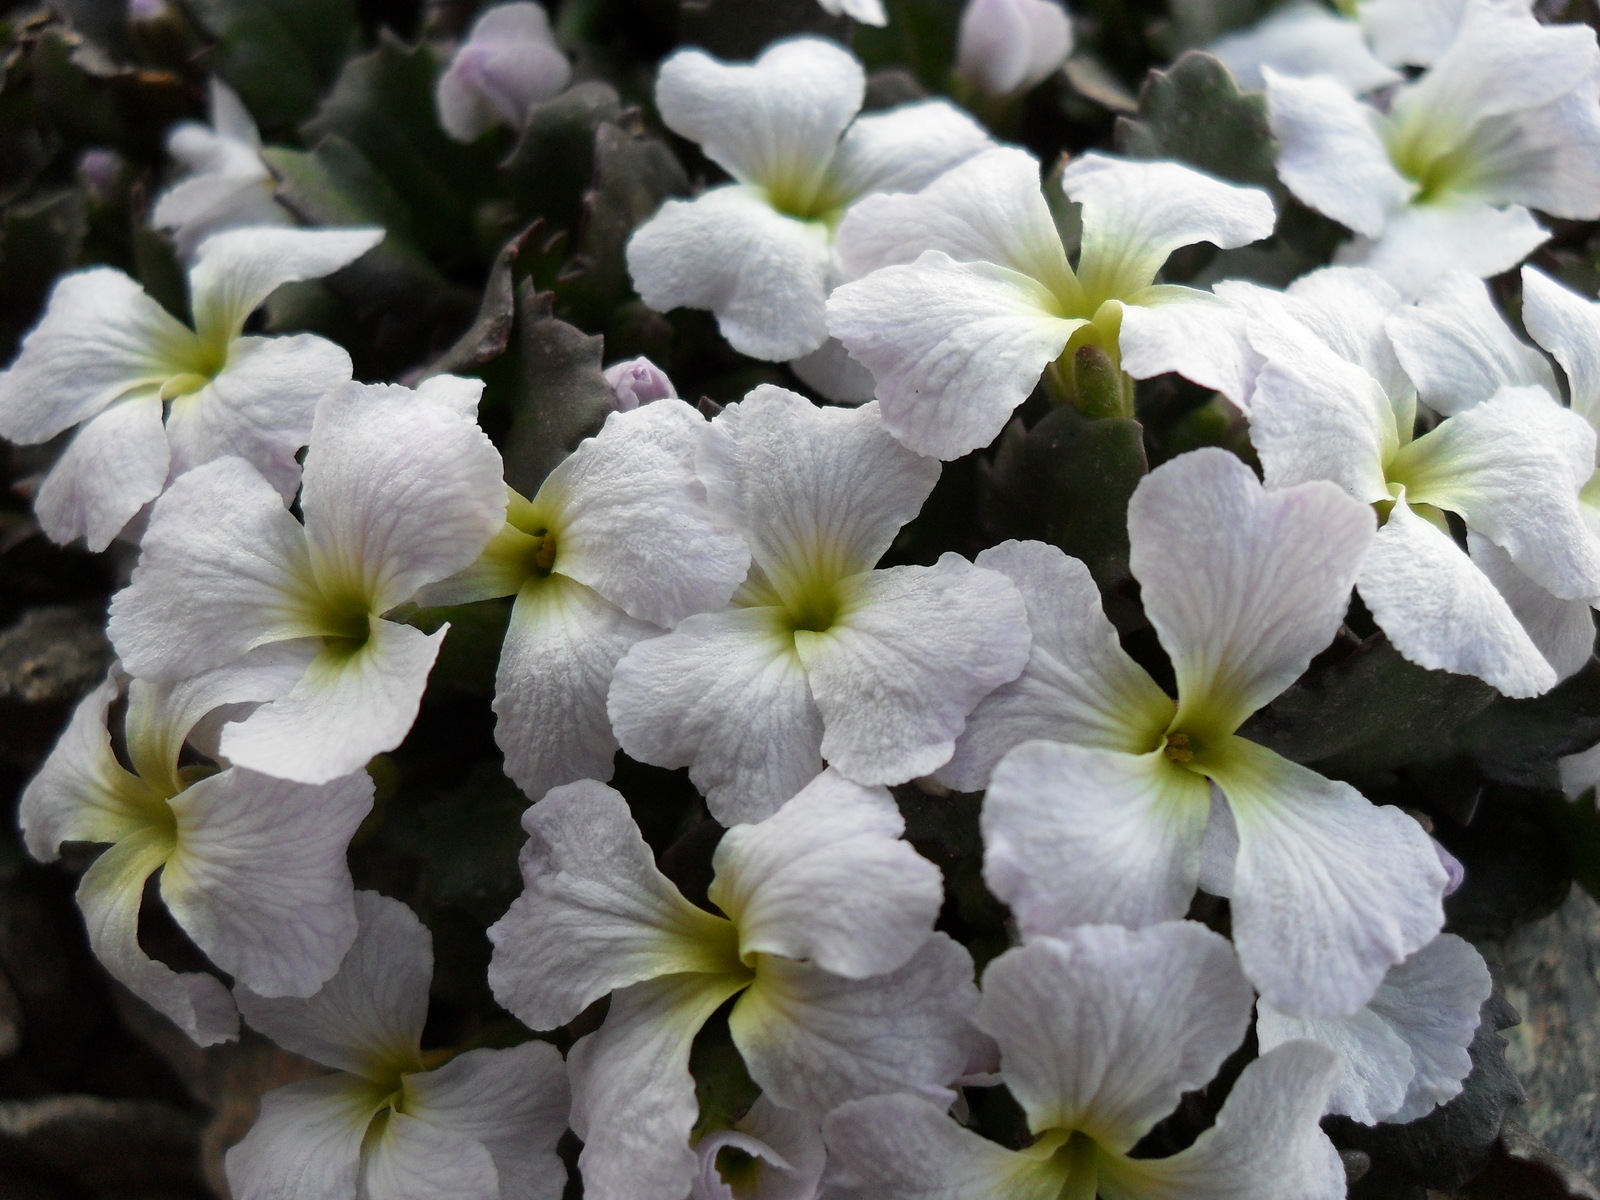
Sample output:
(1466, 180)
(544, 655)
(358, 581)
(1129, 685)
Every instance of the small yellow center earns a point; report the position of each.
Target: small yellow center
(1179, 748)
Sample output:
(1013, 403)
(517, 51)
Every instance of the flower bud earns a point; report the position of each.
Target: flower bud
(509, 63)
(100, 171)
(1008, 46)
(638, 381)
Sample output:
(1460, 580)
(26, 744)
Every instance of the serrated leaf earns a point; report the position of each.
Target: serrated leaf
(1194, 113)
(279, 55)
(553, 161)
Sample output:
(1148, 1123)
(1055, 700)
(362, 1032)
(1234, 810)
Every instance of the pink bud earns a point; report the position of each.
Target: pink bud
(1008, 46)
(509, 63)
(638, 381)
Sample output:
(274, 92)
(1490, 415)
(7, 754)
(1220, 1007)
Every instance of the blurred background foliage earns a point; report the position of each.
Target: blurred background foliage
(504, 258)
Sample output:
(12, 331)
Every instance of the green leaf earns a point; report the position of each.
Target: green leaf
(1194, 112)
(554, 158)
(279, 55)
(39, 240)
(1519, 741)
(562, 396)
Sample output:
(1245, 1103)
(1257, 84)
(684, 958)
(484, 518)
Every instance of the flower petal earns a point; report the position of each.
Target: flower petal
(259, 879)
(631, 521)
(1563, 630)
(100, 338)
(417, 1160)
(1303, 40)
(633, 1099)
(786, 1145)
(1422, 242)
(109, 894)
(1329, 890)
(1375, 1062)
(222, 569)
(1079, 686)
(595, 914)
(955, 347)
(346, 708)
(764, 274)
(1442, 612)
(1102, 1029)
(113, 467)
(1568, 326)
(837, 839)
(913, 650)
(561, 647)
(1266, 1144)
(725, 695)
(1432, 1001)
(1315, 416)
(514, 1101)
(904, 149)
(813, 1040)
(1243, 586)
(1458, 349)
(1182, 329)
(1074, 835)
(305, 1142)
(367, 1018)
(235, 271)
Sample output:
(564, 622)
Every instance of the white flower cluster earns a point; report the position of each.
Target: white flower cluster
(708, 594)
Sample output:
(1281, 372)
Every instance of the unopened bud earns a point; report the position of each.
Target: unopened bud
(148, 10)
(1008, 46)
(638, 381)
(509, 63)
(99, 170)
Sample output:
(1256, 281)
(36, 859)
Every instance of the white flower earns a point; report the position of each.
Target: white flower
(1405, 1052)
(758, 252)
(777, 1154)
(1504, 121)
(253, 868)
(1333, 402)
(958, 337)
(108, 358)
(820, 657)
(1302, 39)
(509, 62)
(1415, 32)
(1106, 821)
(227, 185)
(638, 381)
(838, 1000)
(394, 1122)
(617, 545)
(401, 490)
(868, 12)
(1101, 1032)
(1008, 46)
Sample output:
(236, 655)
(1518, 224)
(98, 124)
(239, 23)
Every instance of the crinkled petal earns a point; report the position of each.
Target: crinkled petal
(305, 1142)
(819, 493)
(1137, 213)
(1568, 326)
(398, 493)
(1315, 416)
(235, 271)
(561, 647)
(837, 839)
(1442, 612)
(954, 347)
(259, 879)
(904, 149)
(1511, 467)
(348, 706)
(1302, 40)
(1422, 242)
(763, 273)
(1079, 686)
(1243, 586)
(1172, 328)
(1458, 349)
(725, 695)
(115, 464)
(1375, 1062)
(988, 209)
(259, 408)
(633, 1099)
(630, 518)
(1102, 1029)
(813, 1040)
(368, 1018)
(1329, 890)
(109, 894)
(1331, 155)
(223, 568)
(595, 914)
(1563, 630)
(1432, 1001)
(101, 337)
(912, 651)
(513, 1101)
(1074, 835)
(1266, 1144)
(786, 1146)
